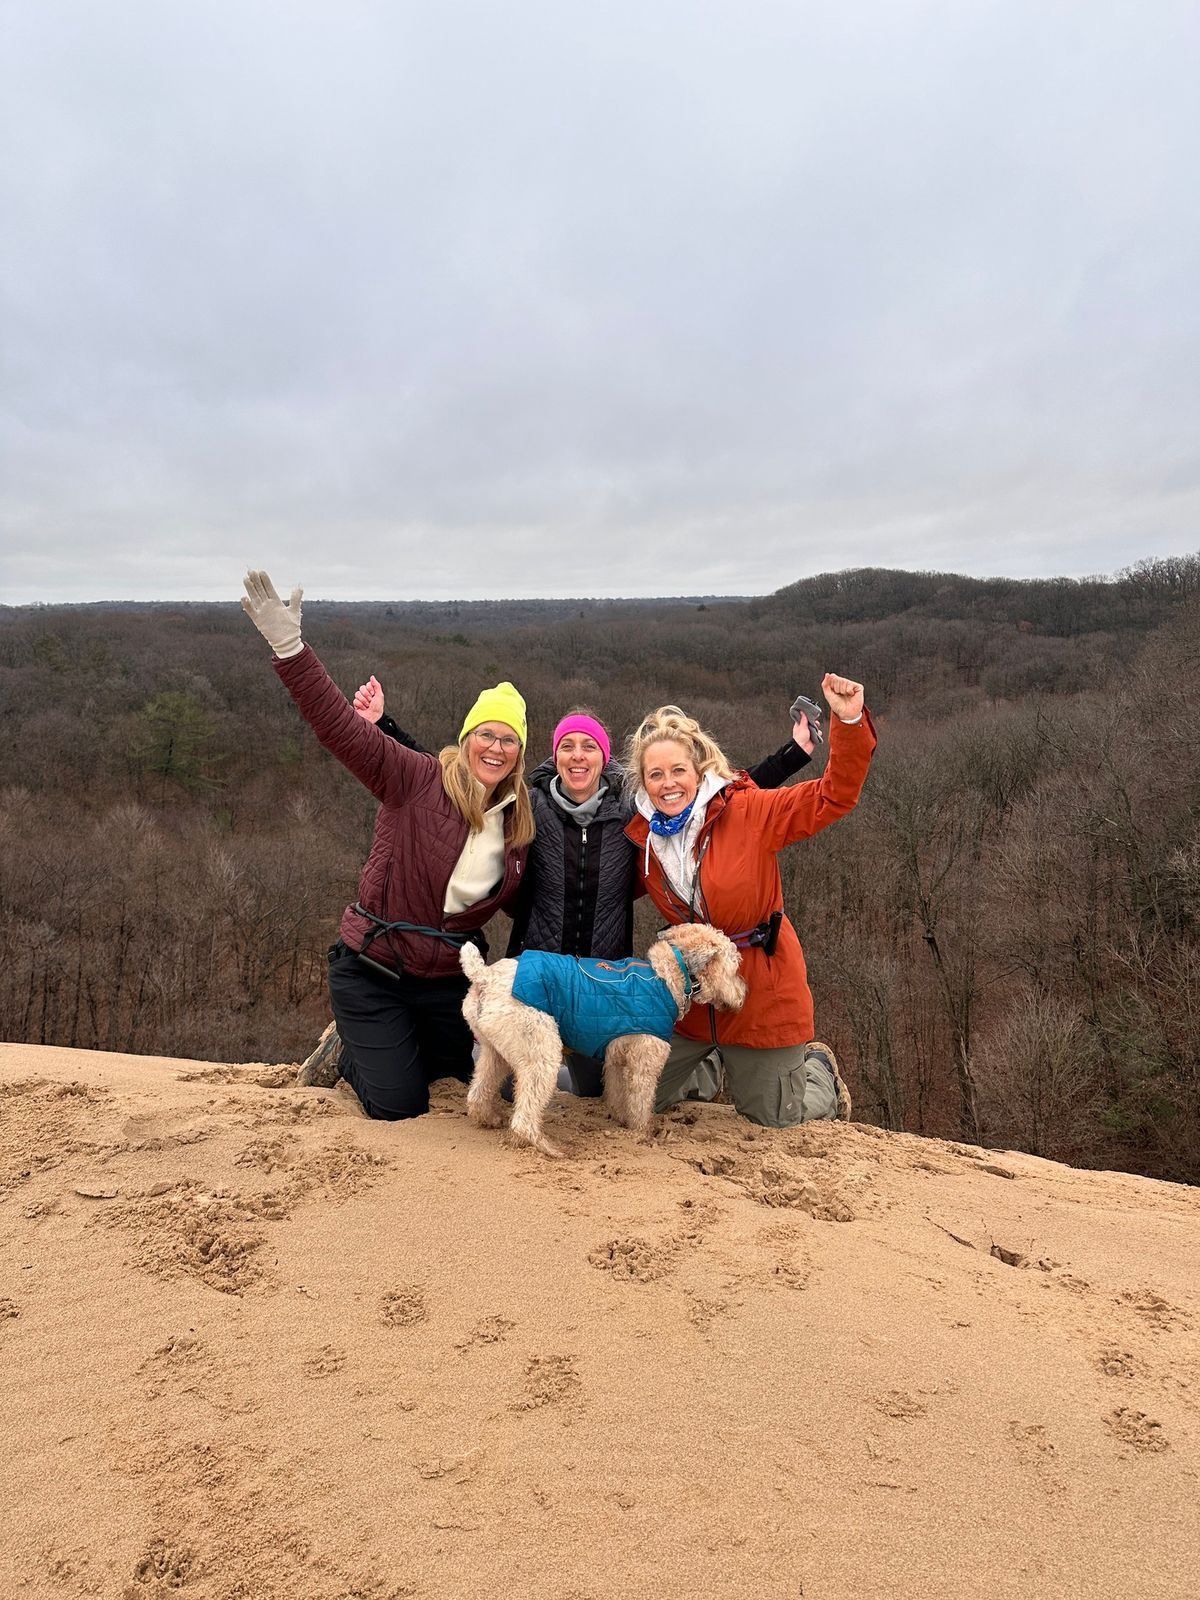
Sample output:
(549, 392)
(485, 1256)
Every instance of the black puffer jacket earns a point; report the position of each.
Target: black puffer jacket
(579, 897)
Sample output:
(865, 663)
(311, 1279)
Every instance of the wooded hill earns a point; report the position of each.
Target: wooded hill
(1003, 941)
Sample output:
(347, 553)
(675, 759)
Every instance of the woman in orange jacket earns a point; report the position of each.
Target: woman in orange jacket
(707, 844)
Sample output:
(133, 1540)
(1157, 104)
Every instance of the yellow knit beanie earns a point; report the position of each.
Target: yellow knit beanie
(501, 704)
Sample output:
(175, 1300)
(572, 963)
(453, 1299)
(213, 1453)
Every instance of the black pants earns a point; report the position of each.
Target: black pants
(398, 1035)
(584, 1075)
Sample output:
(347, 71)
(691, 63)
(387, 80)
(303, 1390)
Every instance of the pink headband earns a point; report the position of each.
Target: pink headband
(578, 724)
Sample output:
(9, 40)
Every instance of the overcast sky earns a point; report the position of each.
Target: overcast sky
(528, 297)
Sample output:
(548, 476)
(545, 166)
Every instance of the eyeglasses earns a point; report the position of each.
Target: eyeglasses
(508, 742)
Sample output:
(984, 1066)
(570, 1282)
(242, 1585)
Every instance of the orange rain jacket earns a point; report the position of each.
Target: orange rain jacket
(738, 886)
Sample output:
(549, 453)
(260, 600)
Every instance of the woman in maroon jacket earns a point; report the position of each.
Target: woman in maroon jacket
(451, 839)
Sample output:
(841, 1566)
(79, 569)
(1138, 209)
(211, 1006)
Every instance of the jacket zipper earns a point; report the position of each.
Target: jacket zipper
(579, 882)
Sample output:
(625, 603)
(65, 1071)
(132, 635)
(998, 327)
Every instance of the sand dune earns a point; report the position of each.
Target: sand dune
(253, 1345)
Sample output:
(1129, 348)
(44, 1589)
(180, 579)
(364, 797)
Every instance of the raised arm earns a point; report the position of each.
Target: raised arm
(777, 768)
(786, 815)
(386, 768)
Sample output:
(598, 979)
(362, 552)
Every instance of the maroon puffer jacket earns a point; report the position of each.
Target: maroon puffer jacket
(419, 834)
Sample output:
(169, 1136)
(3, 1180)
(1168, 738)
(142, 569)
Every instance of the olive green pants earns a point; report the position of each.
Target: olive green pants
(776, 1088)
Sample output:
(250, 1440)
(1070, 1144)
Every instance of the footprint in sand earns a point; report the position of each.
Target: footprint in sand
(634, 1260)
(697, 1216)
(44, 1123)
(703, 1313)
(1118, 1364)
(773, 1178)
(269, 1155)
(164, 1566)
(457, 1470)
(792, 1272)
(403, 1308)
(71, 1567)
(791, 1267)
(192, 1232)
(611, 1171)
(1037, 1450)
(1159, 1313)
(149, 1131)
(901, 1405)
(1136, 1429)
(181, 1359)
(488, 1330)
(323, 1363)
(9, 1310)
(549, 1380)
(337, 1169)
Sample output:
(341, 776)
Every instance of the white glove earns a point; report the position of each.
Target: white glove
(279, 624)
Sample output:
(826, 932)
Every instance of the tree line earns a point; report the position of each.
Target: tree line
(1004, 941)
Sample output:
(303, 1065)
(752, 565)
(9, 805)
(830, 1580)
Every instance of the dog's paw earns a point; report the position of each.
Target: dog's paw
(485, 1116)
(534, 1136)
(547, 1146)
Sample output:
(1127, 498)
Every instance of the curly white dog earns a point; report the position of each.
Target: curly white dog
(522, 1012)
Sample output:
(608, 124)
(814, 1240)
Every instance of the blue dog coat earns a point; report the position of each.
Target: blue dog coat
(594, 1002)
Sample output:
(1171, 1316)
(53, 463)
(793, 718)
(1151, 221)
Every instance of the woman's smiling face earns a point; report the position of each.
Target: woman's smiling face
(492, 752)
(580, 761)
(669, 776)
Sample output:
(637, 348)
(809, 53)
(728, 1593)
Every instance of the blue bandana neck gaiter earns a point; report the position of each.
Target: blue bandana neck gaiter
(666, 826)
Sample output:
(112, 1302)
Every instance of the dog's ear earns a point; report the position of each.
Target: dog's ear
(697, 960)
(697, 943)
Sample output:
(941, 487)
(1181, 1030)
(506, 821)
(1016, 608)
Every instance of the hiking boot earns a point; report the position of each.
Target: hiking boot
(824, 1054)
(323, 1068)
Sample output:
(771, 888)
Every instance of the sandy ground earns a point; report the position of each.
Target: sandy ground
(253, 1345)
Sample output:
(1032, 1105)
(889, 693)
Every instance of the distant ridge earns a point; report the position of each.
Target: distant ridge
(1135, 597)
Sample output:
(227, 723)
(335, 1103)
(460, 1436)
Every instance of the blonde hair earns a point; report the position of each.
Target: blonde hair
(462, 789)
(669, 722)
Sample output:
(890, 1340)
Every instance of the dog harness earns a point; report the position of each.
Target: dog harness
(594, 1002)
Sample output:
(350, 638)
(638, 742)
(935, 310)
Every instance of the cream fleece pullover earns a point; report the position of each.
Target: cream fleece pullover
(481, 866)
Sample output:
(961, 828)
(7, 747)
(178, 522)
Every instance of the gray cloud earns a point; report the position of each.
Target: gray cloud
(528, 299)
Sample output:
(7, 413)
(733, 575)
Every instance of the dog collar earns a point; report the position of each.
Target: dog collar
(689, 983)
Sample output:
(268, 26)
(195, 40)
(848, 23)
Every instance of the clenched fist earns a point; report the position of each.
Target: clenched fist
(845, 697)
(368, 699)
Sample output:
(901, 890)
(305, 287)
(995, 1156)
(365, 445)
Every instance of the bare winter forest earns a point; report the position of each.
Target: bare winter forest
(1003, 941)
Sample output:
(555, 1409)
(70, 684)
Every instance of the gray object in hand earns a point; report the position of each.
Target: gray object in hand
(802, 706)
